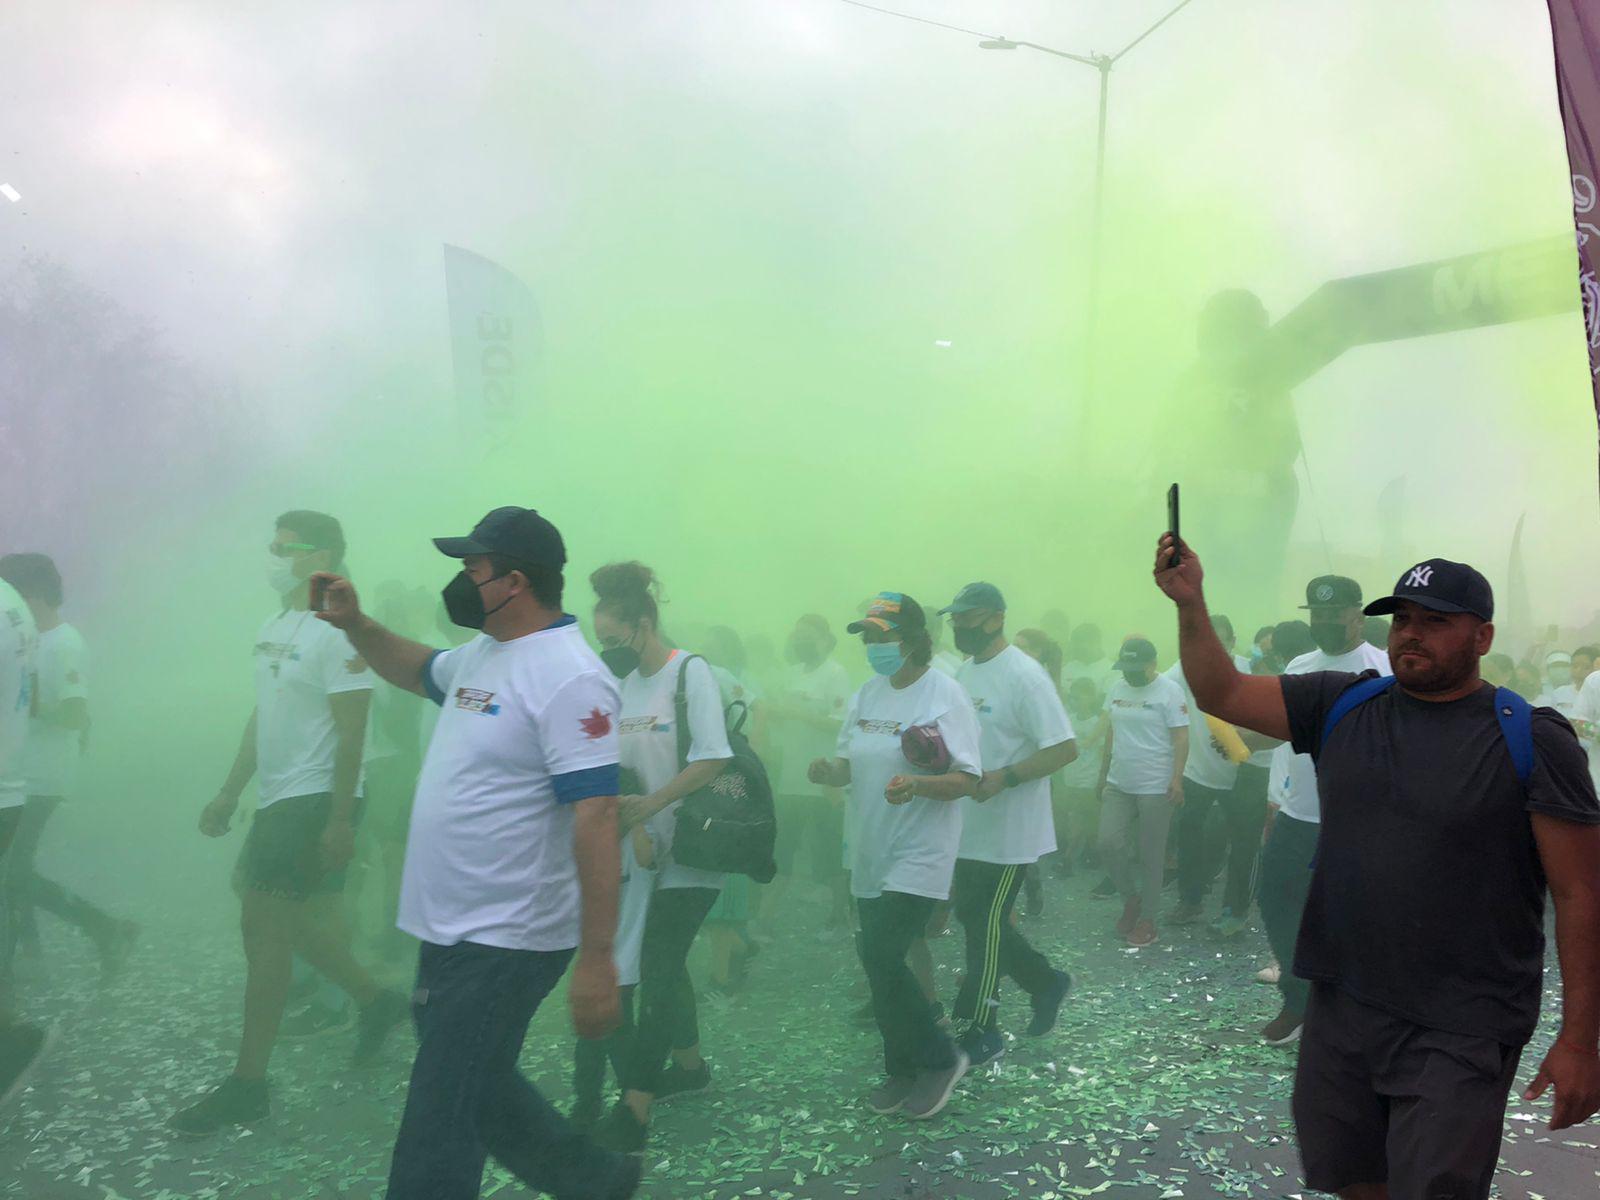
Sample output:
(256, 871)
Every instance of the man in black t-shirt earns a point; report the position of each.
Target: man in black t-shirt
(1423, 934)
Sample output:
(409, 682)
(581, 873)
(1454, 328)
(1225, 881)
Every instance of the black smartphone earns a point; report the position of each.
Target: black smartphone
(319, 593)
(1172, 525)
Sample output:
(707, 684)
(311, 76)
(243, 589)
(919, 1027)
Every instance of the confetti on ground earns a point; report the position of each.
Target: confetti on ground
(1154, 1084)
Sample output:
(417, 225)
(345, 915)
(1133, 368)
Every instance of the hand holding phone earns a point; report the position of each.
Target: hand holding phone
(1172, 525)
(319, 593)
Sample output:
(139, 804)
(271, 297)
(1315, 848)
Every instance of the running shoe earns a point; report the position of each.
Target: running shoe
(234, 1102)
(890, 1095)
(981, 1046)
(932, 1089)
(374, 1025)
(1047, 1007)
(1284, 1029)
(676, 1081)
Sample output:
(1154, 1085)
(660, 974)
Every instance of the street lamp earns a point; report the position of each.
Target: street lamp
(1103, 64)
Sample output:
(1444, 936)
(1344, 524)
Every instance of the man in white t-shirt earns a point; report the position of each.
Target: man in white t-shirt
(303, 745)
(802, 725)
(21, 1044)
(1558, 692)
(512, 865)
(56, 736)
(1006, 823)
(1333, 604)
(1141, 782)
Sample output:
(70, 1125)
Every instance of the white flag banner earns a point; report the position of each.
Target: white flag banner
(494, 342)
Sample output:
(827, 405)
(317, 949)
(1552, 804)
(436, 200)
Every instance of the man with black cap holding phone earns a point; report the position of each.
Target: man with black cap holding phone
(1333, 603)
(1448, 807)
(1006, 822)
(512, 864)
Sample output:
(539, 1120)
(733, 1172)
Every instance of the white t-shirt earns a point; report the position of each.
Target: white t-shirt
(1564, 699)
(633, 906)
(909, 847)
(823, 692)
(1206, 765)
(300, 662)
(1084, 771)
(648, 746)
(1294, 786)
(1587, 708)
(19, 639)
(50, 761)
(527, 728)
(1142, 721)
(1019, 714)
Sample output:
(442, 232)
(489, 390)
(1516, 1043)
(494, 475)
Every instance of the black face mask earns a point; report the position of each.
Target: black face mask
(1331, 637)
(623, 660)
(971, 639)
(463, 601)
(1139, 678)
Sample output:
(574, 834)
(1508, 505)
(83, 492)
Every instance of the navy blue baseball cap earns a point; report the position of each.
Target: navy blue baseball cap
(977, 597)
(519, 533)
(1443, 586)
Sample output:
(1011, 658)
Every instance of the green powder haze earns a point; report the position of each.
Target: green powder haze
(748, 227)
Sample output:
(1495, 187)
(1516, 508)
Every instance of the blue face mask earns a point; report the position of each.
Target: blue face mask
(886, 657)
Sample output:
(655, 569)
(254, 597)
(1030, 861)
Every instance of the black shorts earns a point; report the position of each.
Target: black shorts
(1380, 1099)
(282, 853)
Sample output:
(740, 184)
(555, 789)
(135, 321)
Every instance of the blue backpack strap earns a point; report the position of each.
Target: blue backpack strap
(1516, 723)
(1353, 697)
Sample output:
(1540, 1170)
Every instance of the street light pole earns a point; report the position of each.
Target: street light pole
(1102, 63)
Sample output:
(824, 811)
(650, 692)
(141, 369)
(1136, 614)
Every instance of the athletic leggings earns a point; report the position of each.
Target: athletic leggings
(667, 1018)
(984, 896)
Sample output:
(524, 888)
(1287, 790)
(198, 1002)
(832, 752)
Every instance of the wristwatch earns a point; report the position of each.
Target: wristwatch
(1009, 777)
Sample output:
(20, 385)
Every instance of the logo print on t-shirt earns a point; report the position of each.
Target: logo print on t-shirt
(476, 701)
(596, 725)
(1420, 577)
(888, 727)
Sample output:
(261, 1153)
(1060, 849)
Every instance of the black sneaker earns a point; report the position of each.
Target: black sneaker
(1048, 1006)
(316, 1020)
(620, 1131)
(377, 1019)
(981, 1045)
(676, 1081)
(236, 1102)
(21, 1048)
(626, 1181)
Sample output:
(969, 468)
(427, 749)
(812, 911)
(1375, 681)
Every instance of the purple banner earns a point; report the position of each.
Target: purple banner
(1576, 28)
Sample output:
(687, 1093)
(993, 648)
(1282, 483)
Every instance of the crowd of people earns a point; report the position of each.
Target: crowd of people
(521, 828)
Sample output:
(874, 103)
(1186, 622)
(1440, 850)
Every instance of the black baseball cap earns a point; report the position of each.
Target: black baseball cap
(891, 611)
(1443, 586)
(1136, 652)
(519, 533)
(1332, 591)
(976, 597)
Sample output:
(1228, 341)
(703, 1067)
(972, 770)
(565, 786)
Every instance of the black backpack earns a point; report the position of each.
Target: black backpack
(728, 825)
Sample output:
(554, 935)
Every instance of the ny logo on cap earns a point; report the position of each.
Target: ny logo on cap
(1419, 577)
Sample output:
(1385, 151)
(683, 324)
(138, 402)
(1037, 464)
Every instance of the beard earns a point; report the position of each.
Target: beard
(1432, 673)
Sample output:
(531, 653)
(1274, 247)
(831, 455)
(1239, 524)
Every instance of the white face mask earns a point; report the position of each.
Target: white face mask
(280, 575)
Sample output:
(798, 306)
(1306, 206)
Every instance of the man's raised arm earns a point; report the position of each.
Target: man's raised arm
(398, 660)
(1220, 689)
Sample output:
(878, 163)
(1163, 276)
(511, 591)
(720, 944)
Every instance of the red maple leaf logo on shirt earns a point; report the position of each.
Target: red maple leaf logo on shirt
(596, 725)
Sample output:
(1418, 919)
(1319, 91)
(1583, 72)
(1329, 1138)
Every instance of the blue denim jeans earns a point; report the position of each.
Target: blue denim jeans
(467, 1099)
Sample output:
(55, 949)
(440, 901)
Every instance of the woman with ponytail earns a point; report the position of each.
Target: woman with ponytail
(627, 622)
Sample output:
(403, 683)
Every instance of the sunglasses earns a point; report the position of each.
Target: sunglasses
(285, 549)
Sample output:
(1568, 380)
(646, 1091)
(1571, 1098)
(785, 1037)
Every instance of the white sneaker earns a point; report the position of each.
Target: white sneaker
(1270, 973)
